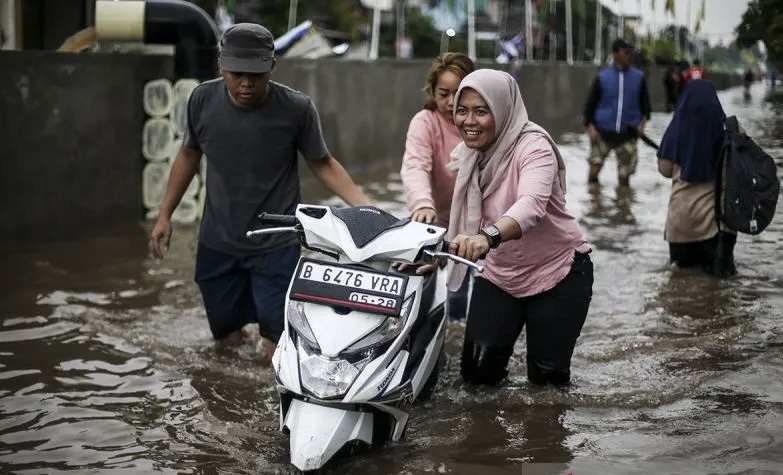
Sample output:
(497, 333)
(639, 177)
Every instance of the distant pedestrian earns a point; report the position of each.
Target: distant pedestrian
(689, 154)
(616, 110)
(671, 86)
(695, 72)
(747, 80)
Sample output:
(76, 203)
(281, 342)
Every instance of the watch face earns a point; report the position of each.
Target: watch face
(493, 233)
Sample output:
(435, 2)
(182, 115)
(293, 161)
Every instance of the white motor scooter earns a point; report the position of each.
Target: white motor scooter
(362, 339)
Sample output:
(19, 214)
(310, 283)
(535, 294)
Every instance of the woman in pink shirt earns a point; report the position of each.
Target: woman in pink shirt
(432, 136)
(509, 209)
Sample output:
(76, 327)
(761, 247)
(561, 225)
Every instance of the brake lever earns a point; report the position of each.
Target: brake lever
(461, 260)
(283, 229)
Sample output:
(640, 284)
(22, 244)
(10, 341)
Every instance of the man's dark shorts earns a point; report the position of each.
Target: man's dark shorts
(238, 290)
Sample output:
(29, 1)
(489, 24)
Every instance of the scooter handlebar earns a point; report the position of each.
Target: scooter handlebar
(278, 219)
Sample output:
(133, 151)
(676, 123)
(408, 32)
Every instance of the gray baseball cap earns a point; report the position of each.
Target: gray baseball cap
(247, 48)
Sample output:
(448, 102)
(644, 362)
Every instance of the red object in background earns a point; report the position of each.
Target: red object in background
(695, 72)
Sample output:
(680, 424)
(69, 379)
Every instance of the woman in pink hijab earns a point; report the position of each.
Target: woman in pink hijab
(509, 210)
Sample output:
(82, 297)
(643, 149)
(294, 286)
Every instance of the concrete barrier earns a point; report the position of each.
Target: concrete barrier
(365, 107)
(70, 140)
(70, 125)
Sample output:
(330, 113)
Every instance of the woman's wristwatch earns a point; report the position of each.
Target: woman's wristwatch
(493, 235)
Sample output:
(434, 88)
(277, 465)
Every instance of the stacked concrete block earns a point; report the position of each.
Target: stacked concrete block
(165, 105)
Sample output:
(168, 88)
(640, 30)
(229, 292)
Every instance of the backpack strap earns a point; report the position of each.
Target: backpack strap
(732, 129)
(719, 186)
(732, 125)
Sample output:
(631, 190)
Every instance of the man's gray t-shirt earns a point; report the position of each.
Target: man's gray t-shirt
(252, 161)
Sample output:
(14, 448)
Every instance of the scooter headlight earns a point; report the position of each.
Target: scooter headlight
(298, 321)
(389, 330)
(327, 377)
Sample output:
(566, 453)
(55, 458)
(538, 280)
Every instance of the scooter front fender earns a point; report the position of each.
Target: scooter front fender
(317, 432)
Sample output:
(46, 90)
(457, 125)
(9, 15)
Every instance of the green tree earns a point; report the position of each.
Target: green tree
(660, 50)
(419, 28)
(720, 54)
(763, 20)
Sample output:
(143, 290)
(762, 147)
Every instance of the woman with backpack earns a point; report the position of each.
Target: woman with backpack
(689, 154)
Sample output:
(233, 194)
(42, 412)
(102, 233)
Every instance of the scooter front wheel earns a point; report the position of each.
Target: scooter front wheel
(428, 390)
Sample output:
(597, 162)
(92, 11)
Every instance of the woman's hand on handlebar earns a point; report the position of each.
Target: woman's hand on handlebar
(426, 268)
(425, 214)
(422, 269)
(471, 248)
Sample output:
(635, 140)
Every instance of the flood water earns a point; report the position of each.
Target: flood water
(107, 364)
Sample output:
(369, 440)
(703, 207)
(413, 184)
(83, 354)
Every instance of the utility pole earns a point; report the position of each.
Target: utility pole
(688, 31)
(292, 5)
(569, 33)
(400, 5)
(472, 29)
(376, 29)
(529, 30)
(377, 6)
(598, 54)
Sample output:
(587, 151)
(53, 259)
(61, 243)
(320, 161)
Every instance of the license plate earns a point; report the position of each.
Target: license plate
(348, 286)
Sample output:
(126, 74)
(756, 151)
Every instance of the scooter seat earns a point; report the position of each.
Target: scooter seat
(365, 223)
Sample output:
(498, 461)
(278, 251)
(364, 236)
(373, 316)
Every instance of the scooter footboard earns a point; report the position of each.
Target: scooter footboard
(318, 432)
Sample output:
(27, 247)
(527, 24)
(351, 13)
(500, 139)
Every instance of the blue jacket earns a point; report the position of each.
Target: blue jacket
(618, 100)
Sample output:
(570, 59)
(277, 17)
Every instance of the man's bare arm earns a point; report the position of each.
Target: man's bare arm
(333, 175)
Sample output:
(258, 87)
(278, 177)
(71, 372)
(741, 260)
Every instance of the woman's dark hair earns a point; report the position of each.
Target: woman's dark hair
(458, 63)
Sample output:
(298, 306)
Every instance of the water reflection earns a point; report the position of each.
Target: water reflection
(692, 295)
(614, 212)
(512, 436)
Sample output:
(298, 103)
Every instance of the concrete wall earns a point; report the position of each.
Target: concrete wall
(70, 126)
(366, 106)
(70, 140)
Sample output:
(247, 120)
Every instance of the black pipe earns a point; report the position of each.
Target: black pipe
(174, 22)
(192, 32)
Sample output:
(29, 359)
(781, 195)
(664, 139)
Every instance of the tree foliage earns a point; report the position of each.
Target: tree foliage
(763, 20)
(423, 35)
(661, 50)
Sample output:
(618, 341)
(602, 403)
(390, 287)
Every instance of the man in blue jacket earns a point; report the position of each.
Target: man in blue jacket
(615, 113)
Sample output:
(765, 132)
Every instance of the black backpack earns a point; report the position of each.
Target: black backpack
(747, 184)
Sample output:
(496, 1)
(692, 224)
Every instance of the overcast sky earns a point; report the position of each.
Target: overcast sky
(721, 16)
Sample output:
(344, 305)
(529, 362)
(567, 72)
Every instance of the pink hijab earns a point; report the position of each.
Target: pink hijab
(479, 172)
